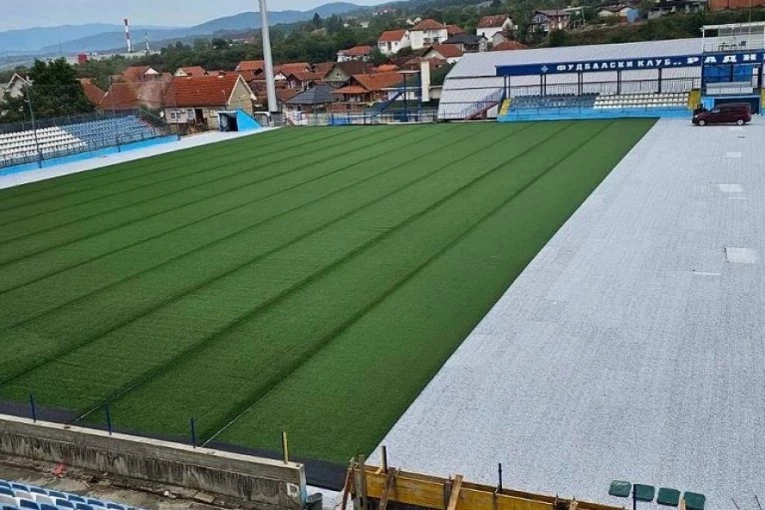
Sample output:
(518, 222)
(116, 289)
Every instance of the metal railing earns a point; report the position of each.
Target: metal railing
(365, 118)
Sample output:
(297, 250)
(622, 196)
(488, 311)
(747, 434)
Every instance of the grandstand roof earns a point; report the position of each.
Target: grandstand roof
(475, 65)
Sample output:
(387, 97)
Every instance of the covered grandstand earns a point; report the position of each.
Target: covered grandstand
(653, 78)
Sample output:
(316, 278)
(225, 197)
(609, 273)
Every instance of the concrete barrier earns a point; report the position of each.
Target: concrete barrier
(266, 483)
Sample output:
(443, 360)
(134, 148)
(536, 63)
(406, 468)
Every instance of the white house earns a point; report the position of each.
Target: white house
(15, 87)
(428, 32)
(391, 42)
(363, 53)
(489, 26)
(451, 53)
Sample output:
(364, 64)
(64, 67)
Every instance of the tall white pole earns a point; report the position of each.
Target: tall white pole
(270, 82)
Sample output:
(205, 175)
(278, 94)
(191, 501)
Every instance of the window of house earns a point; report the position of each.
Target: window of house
(190, 113)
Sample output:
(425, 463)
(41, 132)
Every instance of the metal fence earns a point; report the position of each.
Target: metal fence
(413, 116)
(114, 130)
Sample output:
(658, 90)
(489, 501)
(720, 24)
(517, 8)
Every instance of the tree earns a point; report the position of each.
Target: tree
(377, 58)
(220, 44)
(557, 38)
(317, 22)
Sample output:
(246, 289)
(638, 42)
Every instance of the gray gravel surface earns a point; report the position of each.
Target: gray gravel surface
(630, 348)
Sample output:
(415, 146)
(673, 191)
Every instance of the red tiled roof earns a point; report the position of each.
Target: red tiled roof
(291, 67)
(95, 94)
(386, 68)
(351, 89)
(135, 73)
(378, 81)
(323, 67)
(492, 21)
(454, 30)
(428, 24)
(198, 91)
(251, 65)
(304, 76)
(509, 45)
(392, 36)
(193, 70)
(356, 51)
(447, 50)
(283, 94)
(133, 94)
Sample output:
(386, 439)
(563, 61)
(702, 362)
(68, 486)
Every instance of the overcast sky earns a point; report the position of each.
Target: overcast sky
(34, 13)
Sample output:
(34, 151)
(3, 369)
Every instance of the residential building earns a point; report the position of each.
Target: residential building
(453, 30)
(15, 86)
(303, 80)
(94, 94)
(716, 5)
(251, 69)
(364, 89)
(185, 72)
(469, 43)
(341, 72)
(314, 100)
(139, 73)
(550, 20)
(509, 46)
(356, 53)
(489, 26)
(451, 53)
(392, 41)
(428, 32)
(196, 100)
(140, 93)
(663, 7)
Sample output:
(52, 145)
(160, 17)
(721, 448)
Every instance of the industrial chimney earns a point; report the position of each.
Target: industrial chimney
(148, 48)
(127, 36)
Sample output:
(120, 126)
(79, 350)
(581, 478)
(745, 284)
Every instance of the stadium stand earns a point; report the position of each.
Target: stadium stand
(583, 101)
(650, 100)
(28, 145)
(18, 496)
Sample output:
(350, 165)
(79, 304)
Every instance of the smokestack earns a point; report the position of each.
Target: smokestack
(127, 36)
(148, 48)
(270, 82)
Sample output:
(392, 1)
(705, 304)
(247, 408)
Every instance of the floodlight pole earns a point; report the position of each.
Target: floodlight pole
(268, 58)
(34, 127)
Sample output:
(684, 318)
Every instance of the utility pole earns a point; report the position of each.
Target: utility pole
(34, 126)
(270, 82)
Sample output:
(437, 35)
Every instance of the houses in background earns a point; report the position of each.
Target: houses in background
(94, 94)
(356, 53)
(391, 42)
(449, 53)
(489, 26)
(196, 100)
(428, 32)
(469, 43)
(185, 72)
(15, 86)
(546, 21)
(136, 87)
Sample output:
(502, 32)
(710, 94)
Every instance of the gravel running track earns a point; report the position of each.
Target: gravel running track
(237, 283)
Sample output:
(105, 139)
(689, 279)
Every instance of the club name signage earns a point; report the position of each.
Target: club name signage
(632, 64)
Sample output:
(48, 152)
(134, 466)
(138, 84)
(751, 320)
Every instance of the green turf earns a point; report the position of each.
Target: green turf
(308, 280)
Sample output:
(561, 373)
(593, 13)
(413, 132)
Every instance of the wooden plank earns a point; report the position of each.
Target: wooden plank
(388, 488)
(346, 488)
(454, 497)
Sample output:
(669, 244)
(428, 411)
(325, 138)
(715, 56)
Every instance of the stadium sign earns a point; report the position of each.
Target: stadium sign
(632, 64)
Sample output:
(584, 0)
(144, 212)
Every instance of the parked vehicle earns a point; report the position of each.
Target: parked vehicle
(738, 113)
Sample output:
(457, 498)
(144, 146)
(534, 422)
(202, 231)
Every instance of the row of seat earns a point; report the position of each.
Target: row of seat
(656, 100)
(558, 101)
(17, 496)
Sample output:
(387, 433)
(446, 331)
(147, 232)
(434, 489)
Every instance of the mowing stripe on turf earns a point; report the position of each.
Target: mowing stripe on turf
(17, 307)
(19, 221)
(274, 340)
(400, 280)
(121, 172)
(289, 240)
(47, 263)
(36, 242)
(400, 356)
(284, 294)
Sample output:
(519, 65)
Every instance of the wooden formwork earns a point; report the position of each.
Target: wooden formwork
(381, 487)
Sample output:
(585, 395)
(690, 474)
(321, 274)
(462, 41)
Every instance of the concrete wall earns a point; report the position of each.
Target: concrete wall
(267, 483)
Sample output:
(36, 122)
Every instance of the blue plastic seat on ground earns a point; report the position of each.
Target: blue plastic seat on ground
(83, 506)
(115, 506)
(63, 503)
(25, 503)
(96, 502)
(75, 498)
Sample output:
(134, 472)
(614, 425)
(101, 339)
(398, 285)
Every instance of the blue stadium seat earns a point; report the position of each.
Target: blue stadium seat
(75, 498)
(25, 503)
(95, 502)
(83, 506)
(8, 507)
(48, 507)
(56, 494)
(63, 503)
(37, 490)
(7, 491)
(3, 483)
(115, 506)
(20, 487)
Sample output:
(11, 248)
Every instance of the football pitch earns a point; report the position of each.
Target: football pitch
(311, 280)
